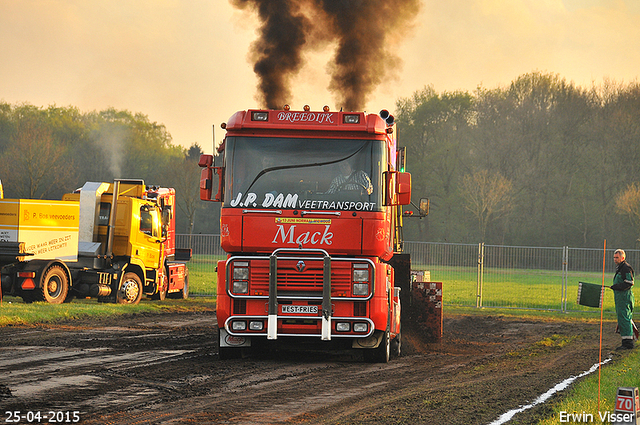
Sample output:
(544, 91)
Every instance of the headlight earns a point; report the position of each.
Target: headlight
(343, 326)
(238, 325)
(360, 289)
(241, 271)
(360, 327)
(240, 287)
(361, 275)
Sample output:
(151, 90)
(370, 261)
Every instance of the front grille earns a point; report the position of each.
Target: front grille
(310, 280)
(360, 309)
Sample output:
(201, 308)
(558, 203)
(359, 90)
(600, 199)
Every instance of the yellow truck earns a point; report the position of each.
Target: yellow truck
(114, 241)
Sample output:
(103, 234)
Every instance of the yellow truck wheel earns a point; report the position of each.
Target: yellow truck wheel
(131, 290)
(55, 285)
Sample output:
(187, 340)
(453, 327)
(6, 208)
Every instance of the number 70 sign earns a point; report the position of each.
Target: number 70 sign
(625, 404)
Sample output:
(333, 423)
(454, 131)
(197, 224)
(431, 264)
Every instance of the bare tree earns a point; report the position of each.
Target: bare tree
(487, 196)
(34, 165)
(628, 203)
(186, 175)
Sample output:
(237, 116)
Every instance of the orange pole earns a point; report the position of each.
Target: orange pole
(604, 258)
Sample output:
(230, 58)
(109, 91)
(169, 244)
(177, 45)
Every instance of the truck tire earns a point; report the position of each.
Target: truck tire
(396, 345)
(382, 352)
(55, 285)
(161, 294)
(185, 289)
(131, 290)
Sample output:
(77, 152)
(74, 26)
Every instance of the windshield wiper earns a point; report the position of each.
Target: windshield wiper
(315, 164)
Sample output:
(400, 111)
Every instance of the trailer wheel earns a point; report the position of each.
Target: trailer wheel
(55, 285)
(131, 290)
(382, 352)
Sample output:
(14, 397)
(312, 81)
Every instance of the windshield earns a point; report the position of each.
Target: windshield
(309, 174)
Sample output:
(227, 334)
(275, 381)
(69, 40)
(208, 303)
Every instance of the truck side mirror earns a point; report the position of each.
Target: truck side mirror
(403, 188)
(166, 220)
(207, 179)
(423, 208)
(389, 185)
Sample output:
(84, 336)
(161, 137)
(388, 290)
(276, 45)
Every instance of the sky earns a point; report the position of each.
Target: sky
(185, 63)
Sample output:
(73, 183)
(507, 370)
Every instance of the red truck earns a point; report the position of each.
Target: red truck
(311, 220)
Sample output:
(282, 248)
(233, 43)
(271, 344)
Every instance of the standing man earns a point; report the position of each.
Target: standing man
(623, 296)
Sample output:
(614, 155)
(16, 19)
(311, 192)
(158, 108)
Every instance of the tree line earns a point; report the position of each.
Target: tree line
(540, 162)
(48, 151)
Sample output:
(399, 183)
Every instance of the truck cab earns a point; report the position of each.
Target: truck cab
(311, 207)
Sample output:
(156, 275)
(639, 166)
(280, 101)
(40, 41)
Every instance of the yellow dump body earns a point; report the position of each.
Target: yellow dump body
(49, 229)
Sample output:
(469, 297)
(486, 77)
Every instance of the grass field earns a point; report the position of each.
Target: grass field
(582, 398)
(13, 311)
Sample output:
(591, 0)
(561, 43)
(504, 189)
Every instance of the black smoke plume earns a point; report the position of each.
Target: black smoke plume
(365, 32)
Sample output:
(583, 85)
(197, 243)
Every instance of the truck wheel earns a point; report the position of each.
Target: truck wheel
(131, 290)
(382, 352)
(55, 285)
(162, 290)
(396, 345)
(185, 289)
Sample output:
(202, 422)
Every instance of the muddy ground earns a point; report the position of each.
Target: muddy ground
(164, 369)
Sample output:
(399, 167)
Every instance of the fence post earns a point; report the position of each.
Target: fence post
(565, 279)
(480, 275)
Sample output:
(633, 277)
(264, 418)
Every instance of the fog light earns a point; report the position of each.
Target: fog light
(238, 325)
(256, 326)
(343, 326)
(360, 289)
(360, 327)
(260, 116)
(351, 119)
(241, 287)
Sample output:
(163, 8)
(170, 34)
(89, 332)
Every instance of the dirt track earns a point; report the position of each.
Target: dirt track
(164, 369)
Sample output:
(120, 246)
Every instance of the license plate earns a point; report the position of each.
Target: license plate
(299, 309)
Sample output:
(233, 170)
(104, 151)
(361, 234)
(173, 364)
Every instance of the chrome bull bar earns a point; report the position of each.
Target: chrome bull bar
(272, 318)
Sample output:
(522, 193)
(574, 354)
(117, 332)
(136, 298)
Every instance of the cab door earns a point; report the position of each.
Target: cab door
(147, 236)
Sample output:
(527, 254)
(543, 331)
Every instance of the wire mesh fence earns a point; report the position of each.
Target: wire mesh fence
(473, 275)
(515, 276)
(205, 254)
